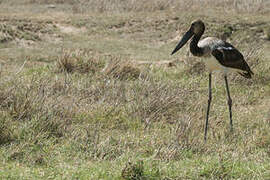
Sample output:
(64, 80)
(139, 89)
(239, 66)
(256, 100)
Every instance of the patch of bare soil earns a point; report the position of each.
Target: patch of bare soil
(166, 63)
(70, 29)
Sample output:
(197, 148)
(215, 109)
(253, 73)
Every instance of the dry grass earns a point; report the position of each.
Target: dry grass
(159, 5)
(84, 6)
(86, 108)
(100, 116)
(15, 30)
(79, 61)
(82, 61)
(21, 102)
(121, 69)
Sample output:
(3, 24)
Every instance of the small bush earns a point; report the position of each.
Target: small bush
(121, 69)
(133, 171)
(79, 61)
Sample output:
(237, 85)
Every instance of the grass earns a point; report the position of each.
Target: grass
(77, 103)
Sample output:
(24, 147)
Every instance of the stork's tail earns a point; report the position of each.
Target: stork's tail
(247, 74)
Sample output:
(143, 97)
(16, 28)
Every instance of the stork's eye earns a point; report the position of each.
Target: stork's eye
(192, 24)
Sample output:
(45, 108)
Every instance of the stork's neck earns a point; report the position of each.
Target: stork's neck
(194, 49)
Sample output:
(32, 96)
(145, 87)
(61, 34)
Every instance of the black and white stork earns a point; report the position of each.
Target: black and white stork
(218, 56)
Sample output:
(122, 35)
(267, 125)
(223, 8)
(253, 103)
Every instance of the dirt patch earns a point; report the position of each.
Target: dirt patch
(70, 29)
(164, 63)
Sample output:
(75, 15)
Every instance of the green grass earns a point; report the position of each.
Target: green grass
(84, 93)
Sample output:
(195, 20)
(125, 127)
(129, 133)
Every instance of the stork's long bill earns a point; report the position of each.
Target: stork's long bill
(183, 41)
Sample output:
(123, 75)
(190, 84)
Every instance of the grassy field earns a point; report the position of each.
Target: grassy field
(89, 90)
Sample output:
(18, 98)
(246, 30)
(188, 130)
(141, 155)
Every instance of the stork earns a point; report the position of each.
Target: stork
(218, 55)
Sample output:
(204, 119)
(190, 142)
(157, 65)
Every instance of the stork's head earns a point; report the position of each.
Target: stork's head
(197, 28)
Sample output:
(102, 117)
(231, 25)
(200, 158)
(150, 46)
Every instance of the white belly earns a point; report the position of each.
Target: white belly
(213, 65)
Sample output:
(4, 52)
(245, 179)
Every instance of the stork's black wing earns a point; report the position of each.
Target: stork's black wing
(229, 56)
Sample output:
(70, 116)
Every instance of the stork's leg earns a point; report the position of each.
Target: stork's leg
(229, 101)
(208, 107)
